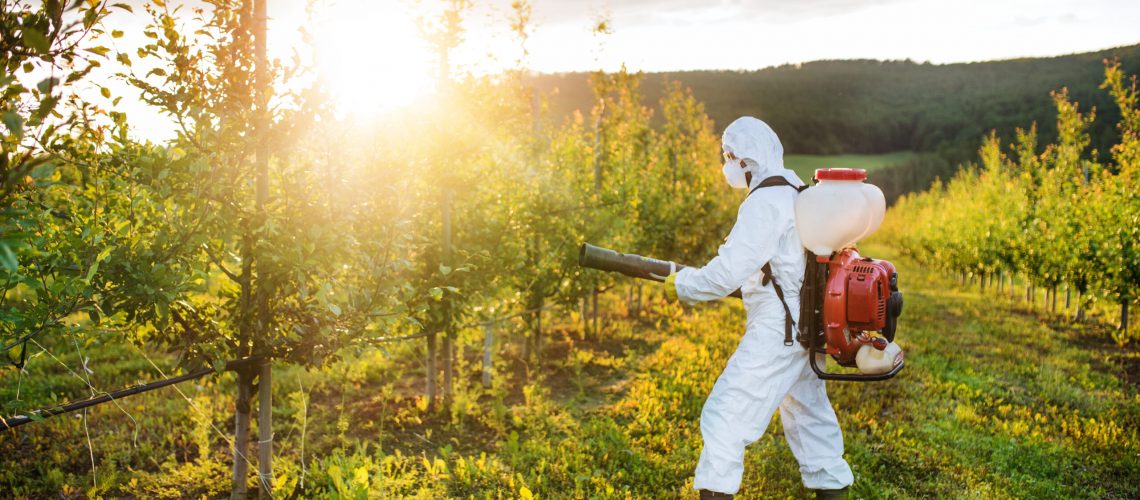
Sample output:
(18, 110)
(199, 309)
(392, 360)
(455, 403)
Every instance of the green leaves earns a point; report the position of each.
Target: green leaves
(91, 272)
(46, 85)
(36, 40)
(162, 314)
(1056, 216)
(8, 258)
(171, 243)
(14, 123)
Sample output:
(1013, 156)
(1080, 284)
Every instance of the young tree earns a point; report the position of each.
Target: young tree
(52, 187)
(1120, 207)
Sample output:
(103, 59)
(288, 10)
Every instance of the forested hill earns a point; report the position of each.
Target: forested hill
(867, 106)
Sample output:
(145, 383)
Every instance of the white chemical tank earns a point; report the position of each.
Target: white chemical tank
(838, 211)
(871, 361)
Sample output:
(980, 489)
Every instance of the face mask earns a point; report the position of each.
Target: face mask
(734, 174)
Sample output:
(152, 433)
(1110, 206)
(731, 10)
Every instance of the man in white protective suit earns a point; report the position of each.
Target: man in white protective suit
(768, 370)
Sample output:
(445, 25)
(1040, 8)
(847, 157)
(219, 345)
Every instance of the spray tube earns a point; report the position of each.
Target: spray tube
(629, 264)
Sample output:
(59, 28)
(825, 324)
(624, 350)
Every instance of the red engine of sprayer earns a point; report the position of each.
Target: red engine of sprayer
(861, 295)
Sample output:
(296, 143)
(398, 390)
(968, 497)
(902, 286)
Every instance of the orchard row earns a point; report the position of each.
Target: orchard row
(272, 226)
(1057, 214)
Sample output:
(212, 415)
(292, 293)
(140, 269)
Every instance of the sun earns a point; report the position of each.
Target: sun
(371, 56)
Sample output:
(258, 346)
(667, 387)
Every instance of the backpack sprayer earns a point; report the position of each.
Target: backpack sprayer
(844, 295)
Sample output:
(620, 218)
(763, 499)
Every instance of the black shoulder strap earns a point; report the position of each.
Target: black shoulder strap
(789, 323)
(774, 181)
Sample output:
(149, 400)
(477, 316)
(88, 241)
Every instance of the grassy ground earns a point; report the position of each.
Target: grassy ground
(805, 165)
(995, 402)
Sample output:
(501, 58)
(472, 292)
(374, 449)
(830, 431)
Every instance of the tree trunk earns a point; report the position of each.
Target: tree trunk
(431, 371)
(1080, 316)
(1068, 296)
(537, 326)
(597, 330)
(448, 362)
(254, 301)
(584, 312)
(240, 489)
(265, 429)
(982, 283)
(526, 344)
(1001, 282)
(1053, 299)
(639, 290)
(1124, 317)
(261, 157)
(488, 345)
(448, 334)
(534, 301)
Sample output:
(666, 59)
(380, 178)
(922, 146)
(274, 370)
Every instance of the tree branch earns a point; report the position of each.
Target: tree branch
(218, 262)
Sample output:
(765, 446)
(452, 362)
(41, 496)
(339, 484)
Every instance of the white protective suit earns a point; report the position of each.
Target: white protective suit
(763, 373)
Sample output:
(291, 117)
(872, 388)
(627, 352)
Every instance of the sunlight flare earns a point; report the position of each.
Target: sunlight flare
(371, 56)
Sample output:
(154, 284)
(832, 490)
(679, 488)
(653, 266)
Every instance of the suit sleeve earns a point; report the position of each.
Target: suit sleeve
(752, 243)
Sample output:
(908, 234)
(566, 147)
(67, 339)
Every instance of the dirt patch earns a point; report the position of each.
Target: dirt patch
(1096, 338)
(1130, 365)
(580, 383)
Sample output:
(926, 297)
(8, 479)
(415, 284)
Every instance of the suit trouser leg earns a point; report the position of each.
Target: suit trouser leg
(812, 431)
(738, 411)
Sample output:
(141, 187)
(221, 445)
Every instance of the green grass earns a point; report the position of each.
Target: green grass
(805, 165)
(996, 401)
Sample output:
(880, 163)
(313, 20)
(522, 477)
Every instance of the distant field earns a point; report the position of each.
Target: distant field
(805, 165)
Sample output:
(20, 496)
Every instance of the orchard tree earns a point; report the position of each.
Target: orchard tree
(52, 190)
(1119, 231)
(302, 272)
(1061, 217)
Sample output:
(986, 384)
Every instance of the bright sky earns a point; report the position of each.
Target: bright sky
(371, 53)
(658, 35)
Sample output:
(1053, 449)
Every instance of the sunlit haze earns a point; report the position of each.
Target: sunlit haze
(373, 57)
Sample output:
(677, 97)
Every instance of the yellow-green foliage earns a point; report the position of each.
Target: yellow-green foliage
(1056, 214)
(993, 403)
(164, 249)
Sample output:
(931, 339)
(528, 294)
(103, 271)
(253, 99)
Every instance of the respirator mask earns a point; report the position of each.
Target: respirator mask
(734, 170)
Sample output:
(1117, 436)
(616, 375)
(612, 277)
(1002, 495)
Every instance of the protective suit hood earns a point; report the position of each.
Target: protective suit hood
(752, 140)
